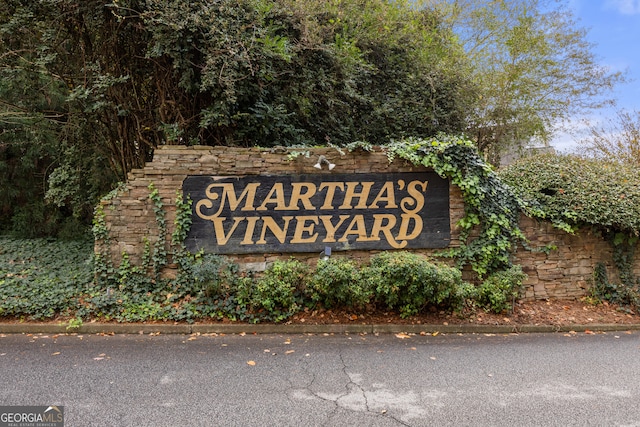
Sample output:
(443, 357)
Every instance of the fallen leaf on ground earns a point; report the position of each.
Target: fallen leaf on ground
(251, 363)
(402, 336)
(55, 354)
(289, 351)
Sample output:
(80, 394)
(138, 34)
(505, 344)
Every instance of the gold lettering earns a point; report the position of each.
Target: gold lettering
(357, 227)
(228, 194)
(276, 195)
(331, 229)
(302, 228)
(308, 229)
(279, 233)
(404, 226)
(378, 227)
(331, 191)
(221, 238)
(362, 196)
(207, 204)
(386, 194)
(417, 199)
(297, 196)
(248, 233)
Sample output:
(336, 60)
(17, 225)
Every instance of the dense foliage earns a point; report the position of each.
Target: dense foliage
(88, 89)
(42, 279)
(499, 290)
(491, 207)
(408, 283)
(573, 191)
(46, 279)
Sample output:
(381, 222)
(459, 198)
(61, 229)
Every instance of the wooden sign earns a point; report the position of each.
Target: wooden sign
(307, 213)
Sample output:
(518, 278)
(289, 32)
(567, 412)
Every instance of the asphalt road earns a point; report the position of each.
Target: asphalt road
(333, 380)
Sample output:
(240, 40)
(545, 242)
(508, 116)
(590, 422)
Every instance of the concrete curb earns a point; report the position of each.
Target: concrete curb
(186, 329)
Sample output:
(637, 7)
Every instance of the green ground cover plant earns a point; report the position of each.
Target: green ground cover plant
(41, 279)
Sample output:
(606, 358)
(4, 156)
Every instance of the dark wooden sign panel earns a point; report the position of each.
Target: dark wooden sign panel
(306, 213)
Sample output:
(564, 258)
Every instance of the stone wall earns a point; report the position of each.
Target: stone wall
(565, 270)
(562, 273)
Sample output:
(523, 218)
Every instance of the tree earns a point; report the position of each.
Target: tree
(617, 140)
(311, 72)
(65, 77)
(106, 83)
(533, 69)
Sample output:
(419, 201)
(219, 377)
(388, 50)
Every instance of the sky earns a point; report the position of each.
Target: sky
(614, 28)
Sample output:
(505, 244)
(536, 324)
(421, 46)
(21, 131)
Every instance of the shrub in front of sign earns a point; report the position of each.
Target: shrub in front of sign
(409, 283)
(213, 275)
(498, 291)
(338, 282)
(278, 293)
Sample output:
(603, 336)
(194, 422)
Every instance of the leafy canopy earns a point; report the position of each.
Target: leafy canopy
(88, 89)
(532, 66)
